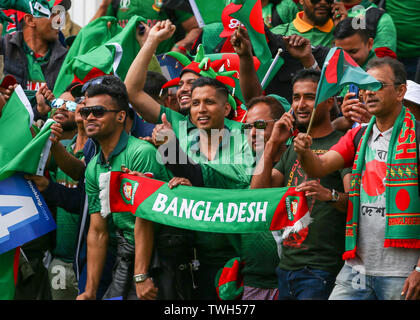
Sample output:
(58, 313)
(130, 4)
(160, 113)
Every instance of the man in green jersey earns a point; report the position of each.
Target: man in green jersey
(104, 113)
(154, 11)
(314, 23)
(311, 258)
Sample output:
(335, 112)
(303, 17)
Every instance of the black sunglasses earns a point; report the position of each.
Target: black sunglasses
(97, 111)
(318, 1)
(258, 124)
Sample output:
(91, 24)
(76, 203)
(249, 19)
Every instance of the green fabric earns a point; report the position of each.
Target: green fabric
(211, 11)
(259, 252)
(93, 35)
(7, 279)
(35, 75)
(18, 151)
(150, 10)
(386, 34)
(405, 15)
(211, 37)
(67, 223)
(339, 71)
(316, 36)
(287, 10)
(134, 154)
(321, 244)
(38, 8)
(402, 227)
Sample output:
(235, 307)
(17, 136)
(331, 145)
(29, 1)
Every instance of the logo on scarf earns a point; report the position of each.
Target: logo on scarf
(125, 5)
(292, 204)
(128, 190)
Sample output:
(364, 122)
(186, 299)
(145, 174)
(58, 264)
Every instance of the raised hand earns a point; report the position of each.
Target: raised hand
(161, 31)
(241, 42)
(300, 48)
(162, 133)
(42, 95)
(302, 143)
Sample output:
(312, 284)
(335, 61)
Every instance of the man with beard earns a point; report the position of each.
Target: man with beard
(314, 23)
(311, 258)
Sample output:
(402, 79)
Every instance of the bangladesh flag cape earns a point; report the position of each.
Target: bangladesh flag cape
(90, 37)
(402, 204)
(204, 209)
(340, 70)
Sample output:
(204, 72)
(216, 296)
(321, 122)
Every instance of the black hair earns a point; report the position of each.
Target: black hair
(345, 29)
(306, 74)
(112, 86)
(154, 83)
(216, 84)
(276, 108)
(400, 74)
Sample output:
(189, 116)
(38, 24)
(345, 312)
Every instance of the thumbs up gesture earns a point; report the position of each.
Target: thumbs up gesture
(163, 133)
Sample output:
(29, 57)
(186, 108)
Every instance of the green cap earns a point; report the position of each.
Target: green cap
(37, 8)
(283, 101)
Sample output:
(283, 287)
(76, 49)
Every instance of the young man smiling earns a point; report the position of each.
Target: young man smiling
(106, 107)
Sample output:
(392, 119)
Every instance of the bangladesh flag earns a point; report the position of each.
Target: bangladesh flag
(113, 57)
(90, 37)
(204, 209)
(250, 15)
(19, 151)
(340, 70)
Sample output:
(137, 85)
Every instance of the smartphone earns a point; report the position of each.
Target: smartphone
(355, 89)
(141, 29)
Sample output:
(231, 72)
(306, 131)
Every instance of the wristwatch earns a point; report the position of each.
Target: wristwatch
(334, 196)
(141, 277)
(417, 268)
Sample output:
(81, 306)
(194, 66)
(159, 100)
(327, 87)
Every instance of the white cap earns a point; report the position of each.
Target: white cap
(413, 92)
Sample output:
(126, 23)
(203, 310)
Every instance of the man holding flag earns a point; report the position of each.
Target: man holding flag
(382, 246)
(309, 259)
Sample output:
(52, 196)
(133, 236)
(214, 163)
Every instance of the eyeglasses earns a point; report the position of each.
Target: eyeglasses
(318, 1)
(92, 82)
(258, 124)
(388, 84)
(97, 111)
(58, 103)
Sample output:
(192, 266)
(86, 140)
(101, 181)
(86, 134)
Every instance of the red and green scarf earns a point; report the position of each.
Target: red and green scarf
(402, 206)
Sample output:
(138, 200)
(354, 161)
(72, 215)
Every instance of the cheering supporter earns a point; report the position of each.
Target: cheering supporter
(226, 174)
(310, 258)
(155, 11)
(380, 247)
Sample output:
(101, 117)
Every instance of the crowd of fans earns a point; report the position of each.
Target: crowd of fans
(344, 164)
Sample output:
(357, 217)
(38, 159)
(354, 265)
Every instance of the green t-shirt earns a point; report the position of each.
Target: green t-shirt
(151, 11)
(322, 36)
(214, 248)
(386, 34)
(259, 252)
(67, 223)
(287, 10)
(321, 244)
(134, 154)
(405, 15)
(35, 75)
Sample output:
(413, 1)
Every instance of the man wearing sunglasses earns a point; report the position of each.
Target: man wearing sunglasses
(311, 258)
(104, 112)
(314, 23)
(380, 264)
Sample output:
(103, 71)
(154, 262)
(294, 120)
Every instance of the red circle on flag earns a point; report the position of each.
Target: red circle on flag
(402, 199)
(373, 179)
